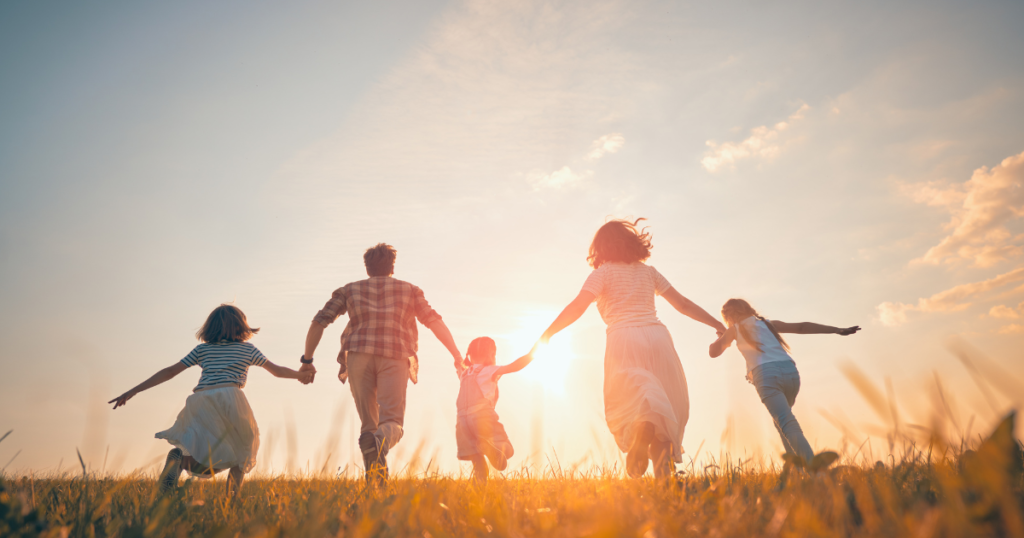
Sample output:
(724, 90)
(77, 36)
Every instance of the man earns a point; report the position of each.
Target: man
(378, 350)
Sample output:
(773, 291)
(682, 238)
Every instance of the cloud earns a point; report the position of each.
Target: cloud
(951, 300)
(981, 210)
(763, 142)
(609, 143)
(563, 177)
(1012, 328)
(1004, 312)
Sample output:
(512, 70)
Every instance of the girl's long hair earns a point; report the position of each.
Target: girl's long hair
(735, 310)
(480, 346)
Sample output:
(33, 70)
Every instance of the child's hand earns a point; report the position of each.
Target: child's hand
(848, 331)
(122, 399)
(306, 377)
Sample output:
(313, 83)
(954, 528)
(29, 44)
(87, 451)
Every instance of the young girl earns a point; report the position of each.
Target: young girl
(477, 431)
(216, 430)
(771, 370)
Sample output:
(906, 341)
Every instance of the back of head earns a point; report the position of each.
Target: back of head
(380, 260)
(619, 241)
(737, 310)
(226, 323)
(481, 351)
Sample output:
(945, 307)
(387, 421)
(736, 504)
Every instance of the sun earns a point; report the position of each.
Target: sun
(550, 366)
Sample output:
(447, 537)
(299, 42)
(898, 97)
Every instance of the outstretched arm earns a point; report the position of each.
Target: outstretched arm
(443, 335)
(807, 327)
(569, 315)
(157, 378)
(724, 341)
(517, 364)
(690, 309)
(287, 373)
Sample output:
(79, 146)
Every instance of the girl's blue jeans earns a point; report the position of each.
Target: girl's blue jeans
(777, 384)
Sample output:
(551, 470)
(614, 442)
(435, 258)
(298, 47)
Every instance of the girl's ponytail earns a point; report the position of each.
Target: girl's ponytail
(774, 332)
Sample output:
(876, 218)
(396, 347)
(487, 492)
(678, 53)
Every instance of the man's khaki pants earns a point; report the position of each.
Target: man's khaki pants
(378, 387)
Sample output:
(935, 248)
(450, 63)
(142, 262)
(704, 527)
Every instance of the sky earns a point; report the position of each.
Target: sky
(844, 163)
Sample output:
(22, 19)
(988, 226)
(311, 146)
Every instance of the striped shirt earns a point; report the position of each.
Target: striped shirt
(625, 293)
(224, 362)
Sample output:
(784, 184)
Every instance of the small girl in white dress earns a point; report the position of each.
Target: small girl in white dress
(216, 430)
(477, 430)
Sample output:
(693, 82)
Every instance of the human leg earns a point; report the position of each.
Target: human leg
(234, 482)
(639, 452)
(777, 386)
(479, 469)
(363, 382)
(392, 384)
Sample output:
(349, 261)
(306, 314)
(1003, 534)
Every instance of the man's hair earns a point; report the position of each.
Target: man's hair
(226, 324)
(380, 259)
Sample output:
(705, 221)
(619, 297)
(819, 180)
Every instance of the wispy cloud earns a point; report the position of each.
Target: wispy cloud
(951, 300)
(981, 210)
(1004, 312)
(563, 177)
(609, 143)
(764, 142)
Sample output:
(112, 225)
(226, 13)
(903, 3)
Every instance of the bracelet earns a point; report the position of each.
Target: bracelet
(304, 360)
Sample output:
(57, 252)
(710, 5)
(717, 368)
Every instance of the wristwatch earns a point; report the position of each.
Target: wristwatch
(304, 360)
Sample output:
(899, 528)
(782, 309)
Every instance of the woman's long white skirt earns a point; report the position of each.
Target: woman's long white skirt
(644, 382)
(217, 428)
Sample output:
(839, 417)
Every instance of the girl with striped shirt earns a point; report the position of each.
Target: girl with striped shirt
(216, 430)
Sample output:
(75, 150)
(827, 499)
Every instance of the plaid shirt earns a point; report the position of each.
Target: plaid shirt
(382, 315)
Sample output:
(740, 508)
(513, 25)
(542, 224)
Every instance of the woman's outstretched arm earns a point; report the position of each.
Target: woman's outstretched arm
(807, 327)
(157, 378)
(690, 309)
(569, 315)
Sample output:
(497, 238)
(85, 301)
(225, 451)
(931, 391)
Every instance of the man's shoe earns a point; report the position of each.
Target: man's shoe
(374, 457)
(172, 470)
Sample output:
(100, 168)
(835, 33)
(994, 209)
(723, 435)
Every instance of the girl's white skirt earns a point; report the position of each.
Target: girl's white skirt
(644, 382)
(217, 429)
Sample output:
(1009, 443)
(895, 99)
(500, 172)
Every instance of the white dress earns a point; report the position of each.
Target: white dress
(643, 378)
(217, 427)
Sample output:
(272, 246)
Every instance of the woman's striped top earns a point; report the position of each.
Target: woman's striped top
(224, 362)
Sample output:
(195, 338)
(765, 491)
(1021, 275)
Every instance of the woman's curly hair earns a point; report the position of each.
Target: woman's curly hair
(620, 240)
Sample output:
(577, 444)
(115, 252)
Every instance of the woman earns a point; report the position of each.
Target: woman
(645, 397)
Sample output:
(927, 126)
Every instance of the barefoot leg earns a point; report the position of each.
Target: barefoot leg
(479, 469)
(235, 478)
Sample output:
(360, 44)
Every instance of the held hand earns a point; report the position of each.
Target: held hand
(307, 370)
(122, 399)
(848, 331)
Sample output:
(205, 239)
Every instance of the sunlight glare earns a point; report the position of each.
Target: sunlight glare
(551, 362)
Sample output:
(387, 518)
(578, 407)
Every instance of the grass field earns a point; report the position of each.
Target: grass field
(926, 492)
